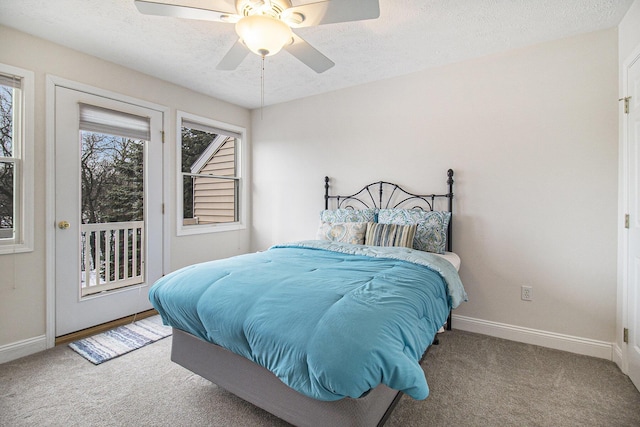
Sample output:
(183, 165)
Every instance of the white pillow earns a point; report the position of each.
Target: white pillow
(344, 232)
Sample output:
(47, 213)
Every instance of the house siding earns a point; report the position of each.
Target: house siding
(214, 199)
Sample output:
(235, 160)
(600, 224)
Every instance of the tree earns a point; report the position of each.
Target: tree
(126, 192)
(112, 178)
(6, 150)
(194, 143)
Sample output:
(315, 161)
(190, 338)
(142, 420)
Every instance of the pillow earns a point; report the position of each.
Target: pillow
(389, 235)
(431, 230)
(345, 232)
(348, 215)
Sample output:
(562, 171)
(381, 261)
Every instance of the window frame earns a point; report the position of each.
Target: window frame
(242, 199)
(23, 165)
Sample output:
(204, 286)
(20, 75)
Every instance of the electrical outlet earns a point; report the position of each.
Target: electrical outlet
(527, 293)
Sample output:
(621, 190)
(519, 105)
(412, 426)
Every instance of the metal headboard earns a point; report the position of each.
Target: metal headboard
(387, 195)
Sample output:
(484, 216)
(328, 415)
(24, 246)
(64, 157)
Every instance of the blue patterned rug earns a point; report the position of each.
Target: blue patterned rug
(121, 340)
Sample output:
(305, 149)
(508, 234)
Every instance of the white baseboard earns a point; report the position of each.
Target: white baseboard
(619, 358)
(585, 346)
(22, 348)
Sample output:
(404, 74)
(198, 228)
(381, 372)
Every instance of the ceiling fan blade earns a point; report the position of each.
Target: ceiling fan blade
(332, 11)
(177, 11)
(234, 57)
(309, 55)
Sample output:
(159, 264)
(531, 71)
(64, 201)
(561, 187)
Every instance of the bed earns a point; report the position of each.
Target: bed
(327, 331)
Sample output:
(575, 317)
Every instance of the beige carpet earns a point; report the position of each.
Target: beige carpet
(475, 380)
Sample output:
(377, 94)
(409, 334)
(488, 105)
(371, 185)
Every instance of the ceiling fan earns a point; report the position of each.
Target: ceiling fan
(266, 26)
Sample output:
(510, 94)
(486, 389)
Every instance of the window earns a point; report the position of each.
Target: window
(211, 185)
(16, 160)
(112, 167)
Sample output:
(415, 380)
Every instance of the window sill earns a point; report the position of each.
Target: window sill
(190, 230)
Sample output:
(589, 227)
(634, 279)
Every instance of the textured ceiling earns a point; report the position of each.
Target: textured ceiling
(409, 36)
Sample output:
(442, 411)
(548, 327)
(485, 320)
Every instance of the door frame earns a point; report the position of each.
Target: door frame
(620, 356)
(51, 83)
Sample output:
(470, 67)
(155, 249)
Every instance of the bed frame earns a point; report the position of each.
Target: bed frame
(387, 195)
(262, 388)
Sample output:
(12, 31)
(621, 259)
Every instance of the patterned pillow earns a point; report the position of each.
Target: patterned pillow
(431, 231)
(345, 232)
(348, 215)
(390, 235)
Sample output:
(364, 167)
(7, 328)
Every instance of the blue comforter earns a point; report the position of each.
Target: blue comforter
(330, 320)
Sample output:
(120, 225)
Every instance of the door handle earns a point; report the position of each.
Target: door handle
(63, 225)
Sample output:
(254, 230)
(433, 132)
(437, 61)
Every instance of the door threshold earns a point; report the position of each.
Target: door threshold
(84, 333)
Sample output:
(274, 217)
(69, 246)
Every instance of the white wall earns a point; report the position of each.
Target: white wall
(532, 136)
(629, 32)
(22, 276)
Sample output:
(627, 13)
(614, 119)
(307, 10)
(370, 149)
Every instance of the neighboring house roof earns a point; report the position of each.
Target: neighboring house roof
(207, 154)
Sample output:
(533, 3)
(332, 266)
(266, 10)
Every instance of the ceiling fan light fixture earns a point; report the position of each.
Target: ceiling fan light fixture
(264, 35)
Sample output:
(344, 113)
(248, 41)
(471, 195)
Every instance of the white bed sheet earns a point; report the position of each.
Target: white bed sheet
(453, 258)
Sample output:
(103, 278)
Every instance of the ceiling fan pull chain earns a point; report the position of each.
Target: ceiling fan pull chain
(262, 88)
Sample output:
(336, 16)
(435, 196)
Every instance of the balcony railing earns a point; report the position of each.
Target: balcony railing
(112, 256)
